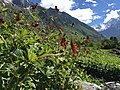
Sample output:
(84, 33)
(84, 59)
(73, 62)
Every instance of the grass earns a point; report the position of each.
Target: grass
(102, 64)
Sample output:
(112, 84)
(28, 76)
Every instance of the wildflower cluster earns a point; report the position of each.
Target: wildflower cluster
(87, 39)
(38, 55)
(1, 21)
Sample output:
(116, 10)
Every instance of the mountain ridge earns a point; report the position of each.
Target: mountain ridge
(113, 28)
(63, 19)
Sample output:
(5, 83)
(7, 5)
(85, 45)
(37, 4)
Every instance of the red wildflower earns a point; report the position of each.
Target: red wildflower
(1, 21)
(85, 50)
(87, 41)
(74, 48)
(63, 43)
(56, 9)
(59, 25)
(34, 6)
(52, 26)
(73, 24)
(78, 46)
(17, 16)
(60, 30)
(88, 37)
(35, 24)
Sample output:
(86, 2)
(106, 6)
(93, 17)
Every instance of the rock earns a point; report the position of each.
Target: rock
(115, 51)
(111, 86)
(92, 86)
(88, 86)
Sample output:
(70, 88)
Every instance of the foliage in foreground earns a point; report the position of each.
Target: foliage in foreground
(37, 56)
(34, 55)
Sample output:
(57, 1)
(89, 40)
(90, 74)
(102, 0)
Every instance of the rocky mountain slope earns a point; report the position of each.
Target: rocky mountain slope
(113, 28)
(69, 23)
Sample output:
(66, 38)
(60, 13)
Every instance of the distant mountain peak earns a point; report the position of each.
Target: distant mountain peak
(112, 28)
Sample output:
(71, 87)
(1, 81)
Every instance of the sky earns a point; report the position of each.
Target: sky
(91, 12)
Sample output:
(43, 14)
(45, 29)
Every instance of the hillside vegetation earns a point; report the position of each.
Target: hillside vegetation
(37, 55)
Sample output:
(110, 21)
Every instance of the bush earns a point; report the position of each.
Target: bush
(109, 43)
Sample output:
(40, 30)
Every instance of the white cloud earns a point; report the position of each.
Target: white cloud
(92, 1)
(96, 17)
(112, 14)
(94, 5)
(99, 27)
(107, 10)
(103, 27)
(63, 5)
(112, 4)
(85, 15)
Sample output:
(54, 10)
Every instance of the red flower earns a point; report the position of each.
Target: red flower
(60, 30)
(73, 24)
(33, 6)
(88, 37)
(59, 25)
(17, 16)
(63, 43)
(74, 48)
(87, 41)
(1, 21)
(56, 9)
(52, 26)
(78, 46)
(86, 50)
(35, 24)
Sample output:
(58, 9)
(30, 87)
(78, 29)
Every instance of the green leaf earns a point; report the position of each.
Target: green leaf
(31, 84)
(1, 41)
(5, 25)
(24, 32)
(31, 55)
(19, 53)
(5, 9)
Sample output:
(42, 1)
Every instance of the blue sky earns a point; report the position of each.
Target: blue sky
(91, 12)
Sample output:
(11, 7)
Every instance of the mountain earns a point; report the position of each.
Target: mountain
(22, 3)
(113, 28)
(6, 1)
(51, 16)
(66, 21)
